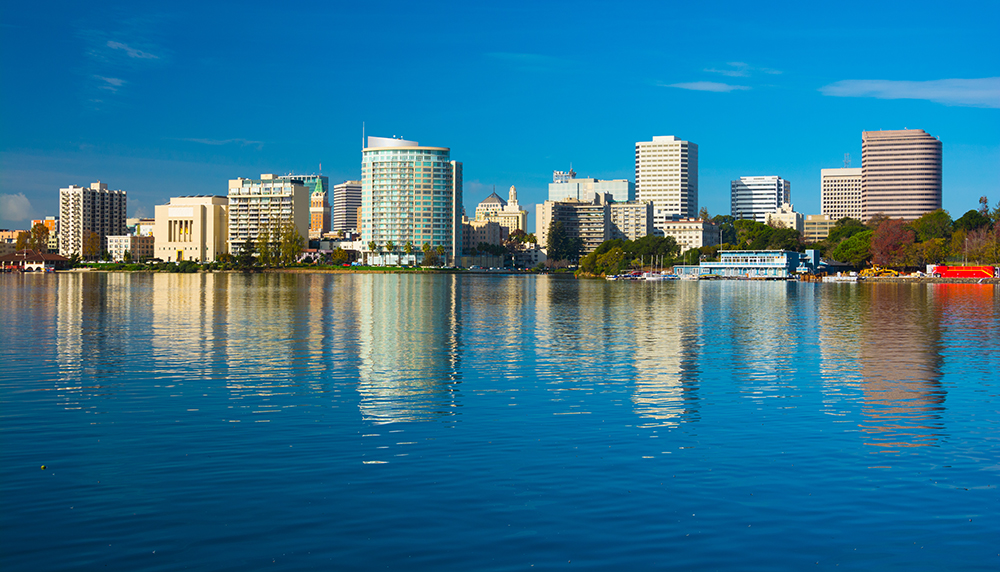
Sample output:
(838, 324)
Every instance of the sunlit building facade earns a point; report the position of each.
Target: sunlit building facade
(900, 173)
(410, 193)
(666, 173)
(83, 210)
(268, 204)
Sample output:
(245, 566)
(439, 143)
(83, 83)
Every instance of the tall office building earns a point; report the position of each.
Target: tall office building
(410, 193)
(561, 188)
(83, 210)
(900, 173)
(267, 204)
(346, 202)
(754, 197)
(666, 173)
(840, 193)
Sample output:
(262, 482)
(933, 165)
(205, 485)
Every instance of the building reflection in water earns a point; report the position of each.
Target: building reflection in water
(900, 366)
(94, 331)
(637, 341)
(667, 322)
(763, 321)
(409, 335)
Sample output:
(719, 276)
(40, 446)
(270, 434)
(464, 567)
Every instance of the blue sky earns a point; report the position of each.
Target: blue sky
(177, 98)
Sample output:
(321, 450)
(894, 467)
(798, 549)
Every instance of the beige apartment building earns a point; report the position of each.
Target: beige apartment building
(900, 173)
(266, 205)
(191, 228)
(631, 220)
(785, 217)
(139, 247)
(507, 214)
(817, 227)
(840, 193)
(692, 232)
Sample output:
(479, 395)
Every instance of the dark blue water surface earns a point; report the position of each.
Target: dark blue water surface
(441, 422)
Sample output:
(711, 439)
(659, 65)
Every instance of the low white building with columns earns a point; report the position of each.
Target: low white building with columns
(192, 228)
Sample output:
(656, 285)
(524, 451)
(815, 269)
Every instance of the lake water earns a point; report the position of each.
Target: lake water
(477, 422)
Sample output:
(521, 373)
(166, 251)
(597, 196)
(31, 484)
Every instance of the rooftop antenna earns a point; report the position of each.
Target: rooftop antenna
(321, 168)
(847, 160)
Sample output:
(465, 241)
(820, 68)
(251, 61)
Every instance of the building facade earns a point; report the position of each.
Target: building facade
(900, 173)
(346, 205)
(83, 210)
(692, 233)
(560, 189)
(319, 211)
(840, 193)
(817, 227)
(267, 204)
(590, 221)
(138, 247)
(631, 220)
(785, 217)
(410, 193)
(194, 228)
(507, 214)
(761, 264)
(754, 197)
(666, 173)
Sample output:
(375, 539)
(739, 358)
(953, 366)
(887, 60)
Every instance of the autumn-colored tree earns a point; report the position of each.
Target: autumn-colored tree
(39, 238)
(91, 246)
(21, 242)
(890, 243)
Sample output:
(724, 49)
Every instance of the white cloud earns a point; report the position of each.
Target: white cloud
(113, 83)
(14, 207)
(741, 69)
(132, 52)
(981, 92)
(238, 141)
(708, 86)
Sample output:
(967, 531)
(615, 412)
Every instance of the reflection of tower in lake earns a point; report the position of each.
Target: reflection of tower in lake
(901, 365)
(667, 325)
(409, 346)
(96, 313)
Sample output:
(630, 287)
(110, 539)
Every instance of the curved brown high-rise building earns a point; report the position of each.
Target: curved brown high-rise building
(900, 173)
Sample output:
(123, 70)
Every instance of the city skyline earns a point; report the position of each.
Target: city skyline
(155, 102)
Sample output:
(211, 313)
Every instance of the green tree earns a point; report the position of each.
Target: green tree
(561, 246)
(971, 220)
(127, 257)
(339, 256)
(855, 250)
(703, 213)
(845, 228)
(290, 246)
(265, 248)
(935, 250)
(726, 228)
(935, 224)
(408, 248)
(390, 247)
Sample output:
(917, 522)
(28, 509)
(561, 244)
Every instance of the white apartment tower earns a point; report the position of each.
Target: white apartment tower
(666, 174)
(83, 210)
(754, 197)
(410, 193)
(840, 193)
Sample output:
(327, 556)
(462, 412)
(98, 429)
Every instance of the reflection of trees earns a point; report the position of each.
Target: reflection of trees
(901, 366)
(409, 346)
